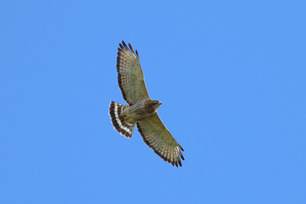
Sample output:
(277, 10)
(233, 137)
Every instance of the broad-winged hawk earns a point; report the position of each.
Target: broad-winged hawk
(141, 109)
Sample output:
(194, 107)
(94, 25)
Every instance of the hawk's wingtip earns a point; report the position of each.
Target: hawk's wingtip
(180, 163)
(124, 43)
(131, 48)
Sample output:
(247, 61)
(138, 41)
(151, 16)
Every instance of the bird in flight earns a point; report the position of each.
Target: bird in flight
(141, 109)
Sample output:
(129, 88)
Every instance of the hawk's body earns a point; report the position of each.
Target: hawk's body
(141, 109)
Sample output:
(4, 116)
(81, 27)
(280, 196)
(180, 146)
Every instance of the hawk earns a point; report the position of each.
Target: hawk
(141, 109)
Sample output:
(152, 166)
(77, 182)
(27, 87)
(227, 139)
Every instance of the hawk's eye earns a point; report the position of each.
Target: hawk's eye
(155, 103)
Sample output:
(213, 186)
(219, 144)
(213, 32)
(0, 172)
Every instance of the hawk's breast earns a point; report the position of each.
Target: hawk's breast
(139, 110)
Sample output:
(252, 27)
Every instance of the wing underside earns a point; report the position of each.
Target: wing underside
(130, 76)
(158, 137)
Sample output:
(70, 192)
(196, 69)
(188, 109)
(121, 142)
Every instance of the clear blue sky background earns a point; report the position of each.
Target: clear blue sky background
(231, 76)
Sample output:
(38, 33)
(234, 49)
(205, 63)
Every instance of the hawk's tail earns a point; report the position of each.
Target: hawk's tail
(125, 129)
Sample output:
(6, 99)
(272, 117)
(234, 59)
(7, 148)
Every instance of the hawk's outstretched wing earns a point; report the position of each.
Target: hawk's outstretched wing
(130, 76)
(158, 137)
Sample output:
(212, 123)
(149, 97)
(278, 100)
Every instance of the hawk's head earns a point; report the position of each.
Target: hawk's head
(151, 105)
(156, 104)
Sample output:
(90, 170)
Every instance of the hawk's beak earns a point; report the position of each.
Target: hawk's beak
(157, 103)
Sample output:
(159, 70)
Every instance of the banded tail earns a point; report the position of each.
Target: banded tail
(115, 109)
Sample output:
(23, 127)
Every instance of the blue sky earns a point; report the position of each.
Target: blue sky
(231, 76)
